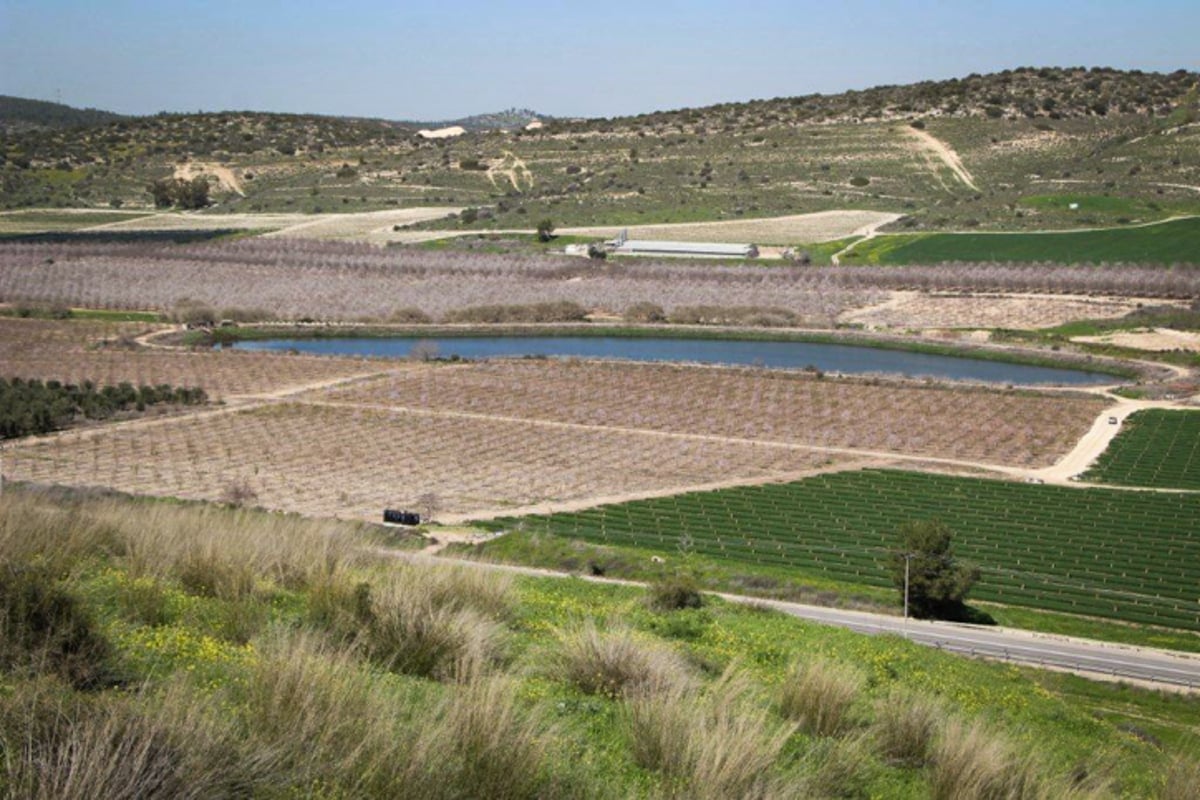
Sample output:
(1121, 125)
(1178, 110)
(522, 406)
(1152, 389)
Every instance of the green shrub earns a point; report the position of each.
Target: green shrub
(859, 180)
(674, 592)
(45, 629)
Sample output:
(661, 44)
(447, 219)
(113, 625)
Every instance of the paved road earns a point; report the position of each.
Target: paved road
(1086, 657)
(1082, 656)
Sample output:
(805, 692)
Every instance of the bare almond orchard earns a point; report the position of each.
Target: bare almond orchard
(349, 437)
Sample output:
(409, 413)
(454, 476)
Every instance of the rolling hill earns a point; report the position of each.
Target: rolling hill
(991, 152)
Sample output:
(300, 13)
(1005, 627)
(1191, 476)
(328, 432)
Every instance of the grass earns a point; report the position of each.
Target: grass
(296, 710)
(1156, 448)
(1171, 242)
(1104, 553)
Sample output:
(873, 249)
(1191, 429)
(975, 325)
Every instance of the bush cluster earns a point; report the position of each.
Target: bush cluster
(30, 407)
(556, 311)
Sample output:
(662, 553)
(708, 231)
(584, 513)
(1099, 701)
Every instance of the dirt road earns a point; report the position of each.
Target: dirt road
(928, 144)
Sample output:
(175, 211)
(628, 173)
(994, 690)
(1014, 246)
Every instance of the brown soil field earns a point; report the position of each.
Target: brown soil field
(69, 351)
(334, 461)
(916, 310)
(965, 423)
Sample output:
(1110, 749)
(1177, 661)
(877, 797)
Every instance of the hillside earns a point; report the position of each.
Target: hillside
(1008, 151)
(21, 114)
(189, 651)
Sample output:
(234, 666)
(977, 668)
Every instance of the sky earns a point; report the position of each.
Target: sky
(432, 61)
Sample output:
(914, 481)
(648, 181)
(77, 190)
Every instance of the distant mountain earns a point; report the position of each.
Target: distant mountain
(511, 119)
(19, 114)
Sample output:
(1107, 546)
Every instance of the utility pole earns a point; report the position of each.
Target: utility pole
(907, 560)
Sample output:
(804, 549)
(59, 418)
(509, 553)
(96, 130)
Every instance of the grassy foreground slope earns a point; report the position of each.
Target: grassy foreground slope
(1105, 553)
(1156, 448)
(1173, 242)
(158, 650)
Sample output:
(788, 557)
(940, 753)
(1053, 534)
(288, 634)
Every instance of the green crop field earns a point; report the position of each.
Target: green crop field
(1172, 242)
(1100, 552)
(1155, 448)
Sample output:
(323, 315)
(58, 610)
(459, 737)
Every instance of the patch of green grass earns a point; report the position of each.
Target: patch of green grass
(1172, 242)
(102, 315)
(1088, 204)
(48, 221)
(1157, 448)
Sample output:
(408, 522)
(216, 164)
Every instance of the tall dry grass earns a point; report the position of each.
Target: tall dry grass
(224, 552)
(1182, 780)
(905, 727)
(720, 743)
(615, 662)
(58, 746)
(819, 695)
(971, 763)
(331, 723)
(34, 529)
(431, 621)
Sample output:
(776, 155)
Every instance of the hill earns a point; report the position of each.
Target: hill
(1053, 93)
(511, 119)
(21, 114)
(994, 152)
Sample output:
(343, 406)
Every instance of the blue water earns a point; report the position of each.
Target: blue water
(848, 359)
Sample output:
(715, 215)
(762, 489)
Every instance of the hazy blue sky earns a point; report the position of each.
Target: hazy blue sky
(439, 60)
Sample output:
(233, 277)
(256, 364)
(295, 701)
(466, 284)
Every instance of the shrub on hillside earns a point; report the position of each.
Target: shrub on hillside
(674, 592)
(557, 311)
(45, 630)
(645, 312)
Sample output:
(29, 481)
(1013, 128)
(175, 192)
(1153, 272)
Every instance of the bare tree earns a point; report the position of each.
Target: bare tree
(428, 504)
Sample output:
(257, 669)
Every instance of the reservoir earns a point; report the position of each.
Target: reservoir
(843, 358)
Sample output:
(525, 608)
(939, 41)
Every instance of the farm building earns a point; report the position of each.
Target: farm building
(625, 246)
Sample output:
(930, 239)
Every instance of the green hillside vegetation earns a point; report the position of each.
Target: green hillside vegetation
(1172, 242)
(1024, 133)
(1044, 547)
(153, 649)
(19, 114)
(1156, 448)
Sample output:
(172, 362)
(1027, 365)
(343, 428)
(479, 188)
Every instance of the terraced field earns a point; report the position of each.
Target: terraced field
(1099, 552)
(1156, 448)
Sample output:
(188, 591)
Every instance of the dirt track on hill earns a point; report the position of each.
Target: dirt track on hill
(926, 142)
